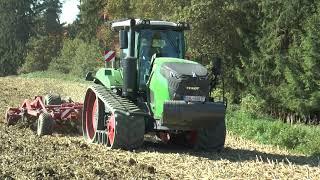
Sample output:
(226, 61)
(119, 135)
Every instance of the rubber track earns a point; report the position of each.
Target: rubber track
(113, 102)
(130, 133)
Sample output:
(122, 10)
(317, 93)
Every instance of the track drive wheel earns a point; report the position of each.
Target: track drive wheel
(125, 132)
(211, 139)
(92, 117)
(44, 124)
(52, 99)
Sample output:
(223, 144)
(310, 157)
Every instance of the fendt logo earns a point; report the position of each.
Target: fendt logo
(193, 88)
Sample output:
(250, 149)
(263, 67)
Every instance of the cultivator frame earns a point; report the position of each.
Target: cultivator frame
(66, 111)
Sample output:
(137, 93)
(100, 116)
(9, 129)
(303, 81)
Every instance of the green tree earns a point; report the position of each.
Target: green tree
(73, 29)
(77, 57)
(41, 50)
(47, 40)
(311, 65)
(91, 18)
(275, 68)
(51, 16)
(15, 30)
(46, 19)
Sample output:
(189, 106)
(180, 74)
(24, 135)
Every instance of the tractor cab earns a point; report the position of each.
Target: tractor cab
(146, 39)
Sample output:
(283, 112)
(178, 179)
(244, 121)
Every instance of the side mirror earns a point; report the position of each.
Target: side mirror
(123, 39)
(216, 66)
(89, 76)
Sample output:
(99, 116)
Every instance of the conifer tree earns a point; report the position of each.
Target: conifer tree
(15, 30)
(47, 38)
(91, 18)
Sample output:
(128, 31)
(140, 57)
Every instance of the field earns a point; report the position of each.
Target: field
(67, 156)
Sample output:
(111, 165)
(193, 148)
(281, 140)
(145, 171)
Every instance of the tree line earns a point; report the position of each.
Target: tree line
(270, 49)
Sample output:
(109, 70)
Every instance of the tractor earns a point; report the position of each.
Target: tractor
(154, 90)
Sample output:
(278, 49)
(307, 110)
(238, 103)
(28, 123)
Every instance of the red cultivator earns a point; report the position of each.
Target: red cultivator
(50, 112)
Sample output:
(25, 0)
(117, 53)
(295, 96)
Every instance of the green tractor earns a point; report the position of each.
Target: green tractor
(154, 90)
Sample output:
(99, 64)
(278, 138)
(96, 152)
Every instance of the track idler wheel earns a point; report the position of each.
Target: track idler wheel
(93, 117)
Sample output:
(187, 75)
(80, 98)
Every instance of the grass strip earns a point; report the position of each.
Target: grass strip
(297, 138)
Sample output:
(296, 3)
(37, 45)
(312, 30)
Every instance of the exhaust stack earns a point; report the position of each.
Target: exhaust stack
(129, 65)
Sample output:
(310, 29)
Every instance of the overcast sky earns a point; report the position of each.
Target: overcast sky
(69, 11)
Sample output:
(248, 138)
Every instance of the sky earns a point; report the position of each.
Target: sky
(69, 11)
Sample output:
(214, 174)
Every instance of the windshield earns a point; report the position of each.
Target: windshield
(164, 43)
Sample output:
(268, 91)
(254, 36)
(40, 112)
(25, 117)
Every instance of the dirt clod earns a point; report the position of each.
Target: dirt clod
(151, 169)
(132, 162)
(84, 146)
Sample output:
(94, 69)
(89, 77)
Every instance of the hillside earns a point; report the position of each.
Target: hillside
(62, 156)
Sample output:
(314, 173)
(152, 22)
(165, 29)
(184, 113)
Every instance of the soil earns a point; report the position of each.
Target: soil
(23, 155)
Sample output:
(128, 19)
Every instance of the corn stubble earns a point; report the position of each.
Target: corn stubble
(23, 155)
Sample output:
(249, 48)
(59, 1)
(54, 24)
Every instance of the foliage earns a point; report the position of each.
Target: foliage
(91, 17)
(73, 29)
(41, 50)
(46, 20)
(15, 30)
(278, 68)
(77, 57)
(47, 40)
(252, 105)
(299, 138)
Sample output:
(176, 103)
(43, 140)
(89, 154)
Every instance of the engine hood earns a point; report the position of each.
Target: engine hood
(180, 66)
(176, 79)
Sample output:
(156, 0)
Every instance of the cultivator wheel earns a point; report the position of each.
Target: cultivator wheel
(52, 99)
(44, 124)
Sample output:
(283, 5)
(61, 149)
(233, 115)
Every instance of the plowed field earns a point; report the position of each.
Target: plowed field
(23, 155)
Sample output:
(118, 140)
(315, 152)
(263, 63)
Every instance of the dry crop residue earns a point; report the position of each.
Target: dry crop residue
(62, 156)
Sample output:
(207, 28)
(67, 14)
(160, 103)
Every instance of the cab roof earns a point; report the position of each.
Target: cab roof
(120, 24)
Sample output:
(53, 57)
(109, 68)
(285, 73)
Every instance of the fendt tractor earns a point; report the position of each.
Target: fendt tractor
(153, 90)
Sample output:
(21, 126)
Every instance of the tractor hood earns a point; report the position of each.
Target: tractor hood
(180, 70)
(179, 67)
(176, 79)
